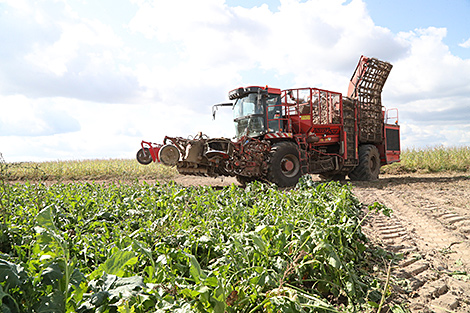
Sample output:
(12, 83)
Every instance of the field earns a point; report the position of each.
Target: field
(430, 160)
(104, 242)
(88, 170)
(90, 247)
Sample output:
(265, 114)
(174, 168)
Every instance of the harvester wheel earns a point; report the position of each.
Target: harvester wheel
(143, 156)
(284, 168)
(169, 155)
(369, 164)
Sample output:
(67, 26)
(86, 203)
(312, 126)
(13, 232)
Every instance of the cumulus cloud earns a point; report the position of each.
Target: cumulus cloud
(429, 70)
(55, 58)
(318, 41)
(25, 118)
(81, 87)
(49, 50)
(430, 85)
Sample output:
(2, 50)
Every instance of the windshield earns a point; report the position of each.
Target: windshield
(248, 114)
(247, 106)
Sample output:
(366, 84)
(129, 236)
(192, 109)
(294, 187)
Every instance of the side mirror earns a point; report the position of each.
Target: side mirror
(216, 106)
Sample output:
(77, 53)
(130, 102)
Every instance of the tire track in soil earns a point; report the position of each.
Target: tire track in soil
(429, 226)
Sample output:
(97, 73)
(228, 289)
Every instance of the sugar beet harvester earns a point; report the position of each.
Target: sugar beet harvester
(283, 134)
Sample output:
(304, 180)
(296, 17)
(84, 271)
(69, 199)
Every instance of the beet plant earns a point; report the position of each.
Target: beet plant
(88, 247)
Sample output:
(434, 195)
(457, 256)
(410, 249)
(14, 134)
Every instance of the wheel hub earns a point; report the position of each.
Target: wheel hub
(290, 165)
(287, 165)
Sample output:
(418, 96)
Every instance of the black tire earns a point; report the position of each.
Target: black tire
(369, 164)
(284, 167)
(144, 157)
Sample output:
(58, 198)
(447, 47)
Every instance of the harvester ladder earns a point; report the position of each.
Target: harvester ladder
(349, 126)
(303, 154)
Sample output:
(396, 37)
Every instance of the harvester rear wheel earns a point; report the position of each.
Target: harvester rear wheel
(284, 168)
(369, 164)
(143, 156)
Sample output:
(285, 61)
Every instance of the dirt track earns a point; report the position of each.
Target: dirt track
(429, 226)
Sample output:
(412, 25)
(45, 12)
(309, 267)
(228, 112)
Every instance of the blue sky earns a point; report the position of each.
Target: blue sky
(83, 79)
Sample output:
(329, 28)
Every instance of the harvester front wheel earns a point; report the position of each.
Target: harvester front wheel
(143, 156)
(369, 164)
(284, 168)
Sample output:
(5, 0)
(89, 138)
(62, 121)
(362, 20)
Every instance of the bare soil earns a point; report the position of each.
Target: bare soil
(429, 228)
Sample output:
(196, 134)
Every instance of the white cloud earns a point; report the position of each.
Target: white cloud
(31, 118)
(178, 20)
(429, 75)
(50, 50)
(318, 42)
(87, 89)
(85, 37)
(20, 5)
(431, 88)
(465, 44)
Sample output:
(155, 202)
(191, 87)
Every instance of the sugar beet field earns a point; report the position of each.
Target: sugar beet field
(162, 247)
(112, 236)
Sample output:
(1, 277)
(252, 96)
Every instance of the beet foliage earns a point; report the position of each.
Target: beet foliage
(89, 247)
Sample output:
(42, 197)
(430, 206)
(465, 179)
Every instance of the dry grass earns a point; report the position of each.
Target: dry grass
(427, 160)
(112, 169)
(432, 160)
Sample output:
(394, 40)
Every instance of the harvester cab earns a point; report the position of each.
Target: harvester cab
(254, 110)
(283, 134)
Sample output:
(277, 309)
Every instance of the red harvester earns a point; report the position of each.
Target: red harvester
(283, 134)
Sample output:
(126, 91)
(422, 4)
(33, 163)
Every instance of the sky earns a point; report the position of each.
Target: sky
(87, 79)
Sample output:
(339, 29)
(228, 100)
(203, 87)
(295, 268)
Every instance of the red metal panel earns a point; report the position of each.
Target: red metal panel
(154, 148)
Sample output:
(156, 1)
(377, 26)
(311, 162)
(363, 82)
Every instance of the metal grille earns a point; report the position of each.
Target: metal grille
(349, 118)
(368, 80)
(393, 139)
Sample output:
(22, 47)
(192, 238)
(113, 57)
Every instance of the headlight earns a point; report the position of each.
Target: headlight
(236, 93)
